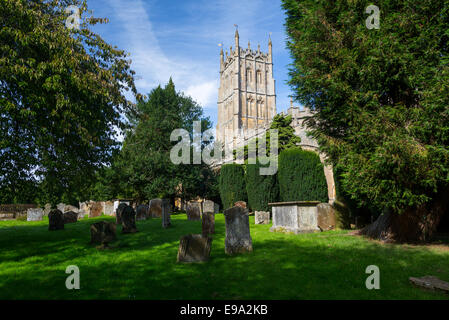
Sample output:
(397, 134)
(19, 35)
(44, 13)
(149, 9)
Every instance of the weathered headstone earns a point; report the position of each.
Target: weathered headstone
(326, 217)
(96, 209)
(194, 248)
(240, 204)
(208, 223)
(70, 217)
(47, 209)
(84, 210)
(102, 233)
(156, 208)
(295, 216)
(261, 217)
(35, 214)
(128, 217)
(108, 208)
(60, 207)
(238, 237)
(118, 213)
(55, 220)
(69, 207)
(166, 221)
(210, 206)
(193, 211)
(142, 212)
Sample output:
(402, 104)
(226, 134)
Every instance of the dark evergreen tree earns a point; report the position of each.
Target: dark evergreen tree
(232, 184)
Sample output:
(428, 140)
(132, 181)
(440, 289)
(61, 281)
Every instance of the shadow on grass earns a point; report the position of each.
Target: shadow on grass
(143, 265)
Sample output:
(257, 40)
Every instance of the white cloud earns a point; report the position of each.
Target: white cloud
(204, 93)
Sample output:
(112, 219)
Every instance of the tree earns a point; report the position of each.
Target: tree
(301, 176)
(381, 99)
(145, 160)
(232, 184)
(62, 93)
(286, 135)
(261, 189)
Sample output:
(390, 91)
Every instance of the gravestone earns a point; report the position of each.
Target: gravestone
(118, 213)
(210, 206)
(47, 209)
(295, 216)
(142, 212)
(68, 208)
(128, 217)
(35, 214)
(60, 207)
(194, 248)
(193, 211)
(262, 217)
(166, 221)
(55, 220)
(84, 210)
(240, 204)
(238, 237)
(326, 217)
(208, 223)
(70, 217)
(108, 208)
(102, 233)
(96, 209)
(156, 208)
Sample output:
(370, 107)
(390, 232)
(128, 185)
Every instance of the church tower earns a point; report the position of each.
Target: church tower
(246, 97)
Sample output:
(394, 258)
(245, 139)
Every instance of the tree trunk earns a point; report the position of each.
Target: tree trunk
(413, 225)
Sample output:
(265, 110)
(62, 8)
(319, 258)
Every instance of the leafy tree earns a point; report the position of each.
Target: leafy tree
(286, 135)
(61, 98)
(301, 176)
(145, 157)
(381, 99)
(232, 184)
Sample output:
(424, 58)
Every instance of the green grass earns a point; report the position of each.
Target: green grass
(328, 265)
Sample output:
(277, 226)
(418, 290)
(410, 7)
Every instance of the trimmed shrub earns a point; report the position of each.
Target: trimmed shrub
(261, 189)
(232, 185)
(301, 176)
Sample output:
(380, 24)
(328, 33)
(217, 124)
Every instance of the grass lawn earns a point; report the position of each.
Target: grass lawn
(328, 265)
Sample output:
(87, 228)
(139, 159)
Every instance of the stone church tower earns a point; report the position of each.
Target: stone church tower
(246, 97)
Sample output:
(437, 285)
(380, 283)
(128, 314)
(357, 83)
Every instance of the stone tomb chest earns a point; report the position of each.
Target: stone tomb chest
(296, 217)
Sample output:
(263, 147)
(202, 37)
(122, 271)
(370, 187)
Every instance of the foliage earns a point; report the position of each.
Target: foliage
(381, 97)
(62, 93)
(261, 189)
(301, 176)
(232, 184)
(144, 161)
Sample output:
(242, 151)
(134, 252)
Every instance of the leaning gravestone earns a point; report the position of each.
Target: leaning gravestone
(193, 211)
(166, 221)
(262, 217)
(128, 217)
(35, 214)
(142, 212)
(102, 233)
(70, 217)
(118, 213)
(55, 220)
(194, 248)
(208, 223)
(238, 237)
(156, 208)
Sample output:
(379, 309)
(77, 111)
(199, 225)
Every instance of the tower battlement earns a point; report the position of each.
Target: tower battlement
(246, 96)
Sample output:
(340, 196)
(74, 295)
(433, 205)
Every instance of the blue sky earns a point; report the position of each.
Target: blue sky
(179, 39)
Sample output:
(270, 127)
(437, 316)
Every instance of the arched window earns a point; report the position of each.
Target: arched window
(249, 75)
(259, 77)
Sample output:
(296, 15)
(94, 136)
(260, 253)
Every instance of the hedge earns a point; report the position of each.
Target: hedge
(301, 176)
(232, 185)
(261, 189)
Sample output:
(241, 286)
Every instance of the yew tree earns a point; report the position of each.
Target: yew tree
(381, 98)
(62, 97)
